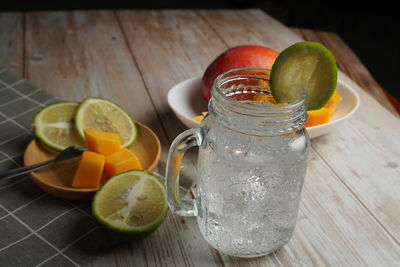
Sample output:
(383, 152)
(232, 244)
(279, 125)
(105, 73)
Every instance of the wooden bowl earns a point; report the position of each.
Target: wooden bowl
(57, 179)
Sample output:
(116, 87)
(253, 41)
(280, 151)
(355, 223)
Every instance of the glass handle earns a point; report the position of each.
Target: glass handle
(181, 144)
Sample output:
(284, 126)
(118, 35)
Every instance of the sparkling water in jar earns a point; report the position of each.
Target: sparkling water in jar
(251, 166)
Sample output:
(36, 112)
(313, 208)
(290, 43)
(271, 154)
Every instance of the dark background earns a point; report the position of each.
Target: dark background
(369, 28)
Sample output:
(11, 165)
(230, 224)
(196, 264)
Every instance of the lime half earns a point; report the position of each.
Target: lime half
(305, 68)
(131, 204)
(103, 115)
(54, 125)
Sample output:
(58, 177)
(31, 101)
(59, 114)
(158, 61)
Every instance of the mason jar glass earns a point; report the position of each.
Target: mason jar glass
(252, 162)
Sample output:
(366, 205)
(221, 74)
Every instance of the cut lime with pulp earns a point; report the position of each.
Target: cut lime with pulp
(103, 115)
(304, 69)
(131, 204)
(54, 125)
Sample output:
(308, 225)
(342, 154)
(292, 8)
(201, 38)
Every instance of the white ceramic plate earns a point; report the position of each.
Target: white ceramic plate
(186, 100)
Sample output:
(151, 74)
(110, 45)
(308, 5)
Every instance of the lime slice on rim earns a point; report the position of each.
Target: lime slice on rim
(54, 125)
(103, 115)
(131, 204)
(305, 68)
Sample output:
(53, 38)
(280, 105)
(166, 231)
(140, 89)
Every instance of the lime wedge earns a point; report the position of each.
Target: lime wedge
(103, 115)
(305, 68)
(131, 204)
(54, 125)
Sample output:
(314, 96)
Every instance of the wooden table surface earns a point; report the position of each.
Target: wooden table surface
(350, 209)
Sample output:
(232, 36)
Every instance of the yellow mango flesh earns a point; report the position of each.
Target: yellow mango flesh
(90, 170)
(333, 102)
(323, 115)
(319, 116)
(120, 161)
(198, 118)
(104, 143)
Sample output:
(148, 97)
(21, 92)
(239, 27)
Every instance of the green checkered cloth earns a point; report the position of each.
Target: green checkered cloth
(37, 229)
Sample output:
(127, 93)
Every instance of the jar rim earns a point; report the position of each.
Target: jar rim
(262, 74)
(264, 119)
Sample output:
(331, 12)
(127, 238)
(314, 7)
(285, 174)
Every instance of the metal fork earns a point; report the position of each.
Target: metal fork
(69, 152)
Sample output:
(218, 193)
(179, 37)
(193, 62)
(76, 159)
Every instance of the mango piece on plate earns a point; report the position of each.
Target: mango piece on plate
(323, 115)
(198, 118)
(101, 142)
(319, 116)
(89, 170)
(333, 102)
(120, 161)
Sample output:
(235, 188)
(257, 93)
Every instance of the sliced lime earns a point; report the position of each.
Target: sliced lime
(103, 115)
(305, 68)
(54, 125)
(131, 204)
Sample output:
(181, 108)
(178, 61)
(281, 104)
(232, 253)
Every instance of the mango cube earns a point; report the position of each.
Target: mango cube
(89, 171)
(318, 116)
(120, 161)
(198, 118)
(323, 115)
(104, 143)
(333, 102)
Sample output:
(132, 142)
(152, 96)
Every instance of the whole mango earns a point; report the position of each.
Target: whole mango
(243, 56)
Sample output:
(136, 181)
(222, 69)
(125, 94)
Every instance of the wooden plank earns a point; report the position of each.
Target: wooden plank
(173, 244)
(169, 46)
(88, 55)
(355, 238)
(354, 155)
(369, 159)
(250, 26)
(12, 40)
(349, 63)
